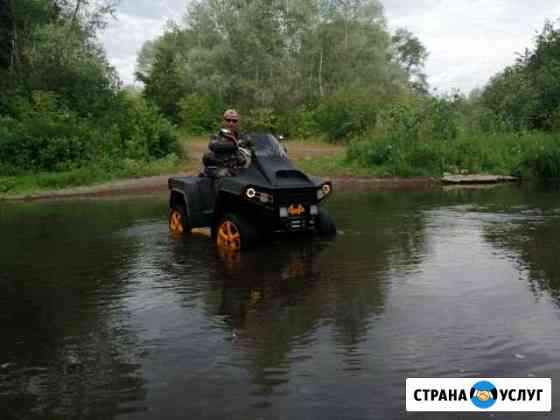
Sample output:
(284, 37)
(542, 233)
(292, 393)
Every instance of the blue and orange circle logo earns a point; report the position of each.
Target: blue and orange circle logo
(484, 394)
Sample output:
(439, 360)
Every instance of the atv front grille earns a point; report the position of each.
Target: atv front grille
(301, 196)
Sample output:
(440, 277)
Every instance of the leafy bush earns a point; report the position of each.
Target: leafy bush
(343, 116)
(299, 122)
(543, 157)
(529, 154)
(527, 93)
(425, 119)
(199, 114)
(259, 119)
(142, 131)
(41, 134)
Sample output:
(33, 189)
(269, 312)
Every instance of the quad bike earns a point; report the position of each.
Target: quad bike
(244, 204)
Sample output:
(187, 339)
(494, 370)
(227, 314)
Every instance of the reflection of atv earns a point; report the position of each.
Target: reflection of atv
(267, 195)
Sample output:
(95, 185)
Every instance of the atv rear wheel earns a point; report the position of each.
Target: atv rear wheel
(178, 221)
(324, 224)
(233, 233)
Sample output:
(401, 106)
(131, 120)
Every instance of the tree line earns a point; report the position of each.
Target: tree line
(305, 68)
(510, 126)
(526, 94)
(277, 61)
(61, 103)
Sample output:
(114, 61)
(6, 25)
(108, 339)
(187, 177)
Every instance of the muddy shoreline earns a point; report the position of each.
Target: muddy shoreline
(157, 185)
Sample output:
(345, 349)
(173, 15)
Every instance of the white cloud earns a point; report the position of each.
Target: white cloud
(470, 40)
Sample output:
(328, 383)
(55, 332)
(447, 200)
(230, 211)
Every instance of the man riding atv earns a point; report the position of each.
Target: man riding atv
(224, 152)
(248, 190)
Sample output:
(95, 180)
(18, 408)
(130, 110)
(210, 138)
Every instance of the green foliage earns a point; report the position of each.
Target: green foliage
(60, 104)
(343, 116)
(527, 94)
(92, 173)
(526, 154)
(64, 61)
(259, 120)
(53, 47)
(43, 134)
(137, 130)
(164, 87)
(411, 55)
(543, 157)
(280, 56)
(421, 137)
(299, 123)
(40, 134)
(413, 122)
(199, 114)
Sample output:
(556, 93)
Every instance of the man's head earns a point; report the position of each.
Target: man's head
(230, 119)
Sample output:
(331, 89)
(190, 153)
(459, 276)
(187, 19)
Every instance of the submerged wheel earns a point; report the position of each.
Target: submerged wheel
(233, 233)
(324, 224)
(178, 221)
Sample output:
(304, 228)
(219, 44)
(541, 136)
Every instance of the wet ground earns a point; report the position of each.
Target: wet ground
(105, 315)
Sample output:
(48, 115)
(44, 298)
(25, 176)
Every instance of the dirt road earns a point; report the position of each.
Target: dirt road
(296, 150)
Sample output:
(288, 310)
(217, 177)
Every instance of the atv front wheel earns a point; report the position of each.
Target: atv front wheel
(178, 221)
(233, 233)
(324, 224)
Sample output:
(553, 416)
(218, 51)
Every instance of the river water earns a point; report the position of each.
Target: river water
(104, 314)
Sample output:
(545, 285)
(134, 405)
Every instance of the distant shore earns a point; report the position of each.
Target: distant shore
(304, 154)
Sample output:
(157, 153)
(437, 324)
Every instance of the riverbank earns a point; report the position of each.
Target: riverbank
(314, 157)
(136, 178)
(155, 185)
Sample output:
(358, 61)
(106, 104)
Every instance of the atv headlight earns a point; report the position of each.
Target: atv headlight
(324, 191)
(263, 197)
(251, 193)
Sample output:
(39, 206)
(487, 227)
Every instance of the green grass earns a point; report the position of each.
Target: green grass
(26, 184)
(531, 154)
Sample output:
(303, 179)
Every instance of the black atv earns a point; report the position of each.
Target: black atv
(269, 194)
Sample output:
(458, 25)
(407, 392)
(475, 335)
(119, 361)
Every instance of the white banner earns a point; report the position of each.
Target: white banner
(479, 394)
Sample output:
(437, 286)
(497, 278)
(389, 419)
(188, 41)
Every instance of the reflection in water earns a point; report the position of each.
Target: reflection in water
(106, 315)
(67, 349)
(529, 231)
(280, 303)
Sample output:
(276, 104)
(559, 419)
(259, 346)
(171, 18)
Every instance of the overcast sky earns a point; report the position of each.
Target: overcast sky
(468, 40)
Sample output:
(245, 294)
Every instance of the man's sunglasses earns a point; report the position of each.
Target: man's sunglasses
(231, 120)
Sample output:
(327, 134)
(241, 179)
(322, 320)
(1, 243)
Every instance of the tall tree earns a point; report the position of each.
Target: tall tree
(277, 54)
(411, 55)
(51, 45)
(526, 95)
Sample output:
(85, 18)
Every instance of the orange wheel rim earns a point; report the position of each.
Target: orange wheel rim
(176, 222)
(228, 236)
